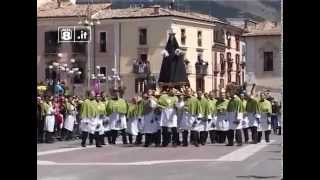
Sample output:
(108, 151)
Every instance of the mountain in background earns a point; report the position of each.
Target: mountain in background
(257, 10)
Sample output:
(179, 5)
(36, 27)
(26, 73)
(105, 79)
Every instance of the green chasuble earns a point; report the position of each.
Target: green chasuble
(212, 106)
(221, 105)
(133, 110)
(244, 103)
(252, 106)
(265, 106)
(88, 109)
(235, 105)
(166, 101)
(140, 108)
(117, 106)
(191, 105)
(101, 108)
(202, 107)
(44, 108)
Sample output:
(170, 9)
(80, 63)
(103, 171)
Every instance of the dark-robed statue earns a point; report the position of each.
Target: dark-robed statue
(173, 71)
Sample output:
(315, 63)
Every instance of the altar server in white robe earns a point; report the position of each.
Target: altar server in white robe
(133, 116)
(49, 120)
(117, 109)
(235, 117)
(71, 117)
(150, 125)
(222, 125)
(265, 121)
(168, 118)
(189, 115)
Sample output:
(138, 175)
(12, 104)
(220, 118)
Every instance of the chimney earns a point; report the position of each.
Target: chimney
(156, 9)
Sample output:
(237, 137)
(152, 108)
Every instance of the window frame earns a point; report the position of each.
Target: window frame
(105, 43)
(141, 42)
(183, 36)
(268, 64)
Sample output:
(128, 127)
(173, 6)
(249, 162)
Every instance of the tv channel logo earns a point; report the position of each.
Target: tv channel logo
(74, 34)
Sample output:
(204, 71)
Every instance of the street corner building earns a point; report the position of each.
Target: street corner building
(131, 42)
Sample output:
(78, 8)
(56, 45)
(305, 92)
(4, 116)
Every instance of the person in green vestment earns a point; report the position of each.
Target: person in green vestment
(253, 115)
(189, 115)
(198, 125)
(157, 117)
(245, 121)
(140, 104)
(117, 109)
(88, 116)
(212, 117)
(235, 116)
(101, 111)
(222, 125)
(168, 118)
(106, 121)
(132, 116)
(265, 120)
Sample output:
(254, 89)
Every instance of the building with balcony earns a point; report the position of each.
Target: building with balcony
(100, 52)
(264, 59)
(131, 40)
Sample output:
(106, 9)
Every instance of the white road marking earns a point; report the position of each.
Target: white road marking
(243, 153)
(235, 156)
(62, 150)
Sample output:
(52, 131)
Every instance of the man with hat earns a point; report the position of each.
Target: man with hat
(117, 109)
(168, 117)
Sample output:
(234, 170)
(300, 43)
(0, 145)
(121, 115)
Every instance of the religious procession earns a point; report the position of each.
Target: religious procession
(172, 113)
(160, 117)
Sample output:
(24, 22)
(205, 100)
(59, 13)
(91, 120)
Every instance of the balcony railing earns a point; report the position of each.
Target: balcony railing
(141, 69)
(202, 68)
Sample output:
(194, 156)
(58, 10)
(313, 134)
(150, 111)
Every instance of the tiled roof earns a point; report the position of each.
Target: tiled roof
(149, 12)
(67, 9)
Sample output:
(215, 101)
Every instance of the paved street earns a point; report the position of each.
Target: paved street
(69, 161)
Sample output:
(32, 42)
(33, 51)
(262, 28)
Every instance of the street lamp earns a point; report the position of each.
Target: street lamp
(87, 20)
(96, 78)
(62, 68)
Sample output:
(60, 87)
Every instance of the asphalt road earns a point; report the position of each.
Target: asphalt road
(69, 161)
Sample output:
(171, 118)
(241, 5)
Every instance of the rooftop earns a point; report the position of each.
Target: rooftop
(265, 28)
(150, 12)
(67, 9)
